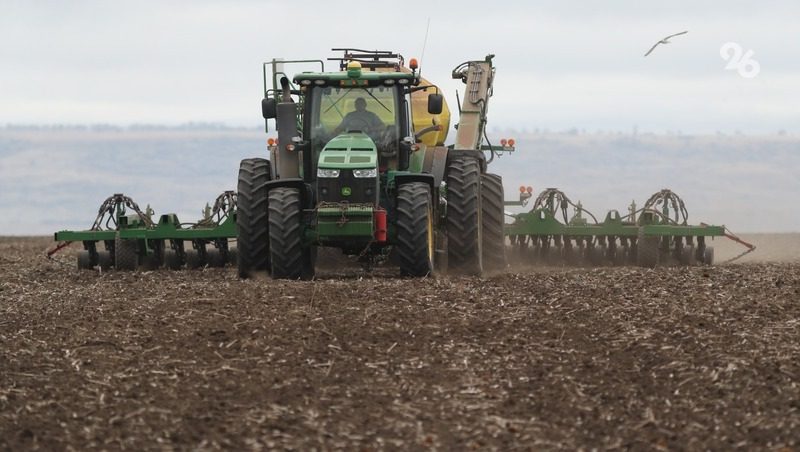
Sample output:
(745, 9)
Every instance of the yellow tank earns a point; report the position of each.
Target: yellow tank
(420, 116)
(423, 119)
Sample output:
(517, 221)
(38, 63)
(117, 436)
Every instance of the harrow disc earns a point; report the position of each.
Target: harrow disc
(151, 262)
(215, 258)
(104, 260)
(233, 256)
(708, 255)
(172, 260)
(84, 260)
(646, 250)
(194, 259)
(686, 256)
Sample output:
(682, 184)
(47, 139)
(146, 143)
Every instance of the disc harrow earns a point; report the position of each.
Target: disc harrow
(656, 234)
(132, 240)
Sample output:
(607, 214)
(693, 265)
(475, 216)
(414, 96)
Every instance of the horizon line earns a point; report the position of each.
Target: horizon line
(222, 126)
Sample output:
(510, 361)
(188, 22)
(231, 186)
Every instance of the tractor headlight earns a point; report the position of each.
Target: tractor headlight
(365, 173)
(324, 172)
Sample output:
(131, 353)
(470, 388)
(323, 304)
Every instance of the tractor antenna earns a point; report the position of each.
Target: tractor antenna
(424, 44)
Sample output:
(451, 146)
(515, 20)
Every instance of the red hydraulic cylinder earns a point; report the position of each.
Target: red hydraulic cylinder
(380, 225)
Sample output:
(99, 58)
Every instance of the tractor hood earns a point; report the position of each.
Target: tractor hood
(351, 150)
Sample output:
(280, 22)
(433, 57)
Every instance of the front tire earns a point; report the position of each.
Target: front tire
(415, 243)
(252, 217)
(464, 248)
(289, 258)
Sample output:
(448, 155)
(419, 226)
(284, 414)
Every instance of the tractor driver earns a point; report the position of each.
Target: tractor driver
(360, 119)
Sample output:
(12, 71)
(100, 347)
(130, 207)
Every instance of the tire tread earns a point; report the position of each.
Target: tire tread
(464, 248)
(413, 220)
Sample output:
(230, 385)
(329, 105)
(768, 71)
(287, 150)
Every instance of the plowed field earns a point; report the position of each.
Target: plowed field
(539, 358)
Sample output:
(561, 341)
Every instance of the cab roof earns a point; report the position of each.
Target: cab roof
(369, 78)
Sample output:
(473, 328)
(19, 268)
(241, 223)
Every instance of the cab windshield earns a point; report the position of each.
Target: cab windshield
(371, 110)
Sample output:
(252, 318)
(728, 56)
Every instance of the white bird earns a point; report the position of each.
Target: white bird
(664, 41)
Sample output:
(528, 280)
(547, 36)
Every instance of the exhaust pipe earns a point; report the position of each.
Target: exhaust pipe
(288, 159)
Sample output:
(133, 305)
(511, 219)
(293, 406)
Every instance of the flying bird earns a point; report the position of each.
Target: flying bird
(664, 41)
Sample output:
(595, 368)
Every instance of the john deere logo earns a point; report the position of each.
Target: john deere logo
(346, 191)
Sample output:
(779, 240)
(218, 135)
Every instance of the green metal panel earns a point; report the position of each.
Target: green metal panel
(416, 161)
(334, 222)
(349, 151)
(332, 229)
(694, 231)
(227, 229)
(169, 230)
(81, 236)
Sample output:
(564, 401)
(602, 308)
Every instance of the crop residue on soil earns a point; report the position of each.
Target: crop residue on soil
(673, 358)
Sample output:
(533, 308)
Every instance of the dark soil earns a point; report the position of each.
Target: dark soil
(672, 358)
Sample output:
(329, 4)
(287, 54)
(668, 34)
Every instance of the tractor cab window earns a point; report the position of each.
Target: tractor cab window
(371, 110)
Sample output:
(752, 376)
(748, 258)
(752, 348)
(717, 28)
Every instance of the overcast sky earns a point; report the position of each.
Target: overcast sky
(559, 64)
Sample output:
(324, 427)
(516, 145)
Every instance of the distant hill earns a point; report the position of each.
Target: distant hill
(55, 177)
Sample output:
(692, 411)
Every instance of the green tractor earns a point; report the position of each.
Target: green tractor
(358, 165)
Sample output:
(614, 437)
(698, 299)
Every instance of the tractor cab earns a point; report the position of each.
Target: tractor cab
(372, 94)
(374, 113)
(370, 107)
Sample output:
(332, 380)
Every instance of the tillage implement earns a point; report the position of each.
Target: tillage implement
(557, 231)
(133, 237)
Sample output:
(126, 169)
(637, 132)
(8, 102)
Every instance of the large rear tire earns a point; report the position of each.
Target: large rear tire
(415, 243)
(126, 254)
(493, 222)
(464, 247)
(289, 258)
(646, 250)
(252, 217)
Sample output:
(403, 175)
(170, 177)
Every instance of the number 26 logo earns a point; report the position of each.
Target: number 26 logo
(739, 60)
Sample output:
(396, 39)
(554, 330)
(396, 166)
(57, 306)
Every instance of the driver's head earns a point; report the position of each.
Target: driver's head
(361, 104)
